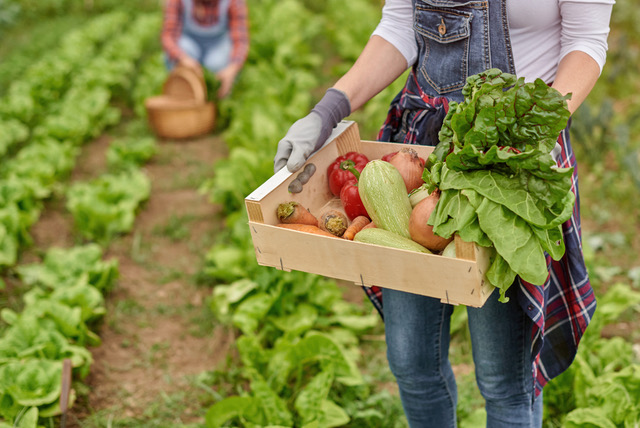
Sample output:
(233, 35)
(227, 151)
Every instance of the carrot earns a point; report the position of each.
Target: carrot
(370, 226)
(334, 221)
(307, 228)
(356, 226)
(294, 213)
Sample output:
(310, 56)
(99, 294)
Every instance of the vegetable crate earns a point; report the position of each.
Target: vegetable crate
(457, 280)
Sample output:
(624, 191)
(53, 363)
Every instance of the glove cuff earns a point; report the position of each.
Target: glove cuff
(332, 108)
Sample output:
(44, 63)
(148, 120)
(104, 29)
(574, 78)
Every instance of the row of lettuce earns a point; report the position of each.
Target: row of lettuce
(63, 100)
(299, 340)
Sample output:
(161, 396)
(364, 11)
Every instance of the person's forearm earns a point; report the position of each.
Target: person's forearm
(239, 31)
(577, 74)
(379, 64)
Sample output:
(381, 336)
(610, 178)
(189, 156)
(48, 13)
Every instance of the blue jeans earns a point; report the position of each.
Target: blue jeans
(417, 335)
(214, 54)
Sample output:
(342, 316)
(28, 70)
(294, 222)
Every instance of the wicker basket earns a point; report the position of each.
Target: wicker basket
(172, 117)
(182, 111)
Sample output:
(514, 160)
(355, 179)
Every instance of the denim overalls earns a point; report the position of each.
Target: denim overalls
(210, 45)
(457, 39)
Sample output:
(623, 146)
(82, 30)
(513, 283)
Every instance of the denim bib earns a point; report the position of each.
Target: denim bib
(200, 32)
(455, 39)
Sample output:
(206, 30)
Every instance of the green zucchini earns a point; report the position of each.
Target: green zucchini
(379, 236)
(384, 196)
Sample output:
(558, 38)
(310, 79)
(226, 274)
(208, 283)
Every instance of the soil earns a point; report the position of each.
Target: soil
(154, 334)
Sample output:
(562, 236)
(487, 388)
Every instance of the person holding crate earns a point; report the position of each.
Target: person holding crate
(518, 346)
(207, 33)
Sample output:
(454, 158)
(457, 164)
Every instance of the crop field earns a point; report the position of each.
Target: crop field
(127, 267)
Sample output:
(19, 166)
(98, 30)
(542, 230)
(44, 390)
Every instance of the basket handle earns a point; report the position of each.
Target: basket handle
(181, 76)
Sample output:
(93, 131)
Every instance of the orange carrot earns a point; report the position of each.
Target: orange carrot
(370, 225)
(334, 221)
(356, 226)
(307, 228)
(294, 213)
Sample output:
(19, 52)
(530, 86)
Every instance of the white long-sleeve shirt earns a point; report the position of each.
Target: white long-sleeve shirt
(542, 32)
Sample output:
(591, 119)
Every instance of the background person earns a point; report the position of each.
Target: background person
(209, 33)
(520, 345)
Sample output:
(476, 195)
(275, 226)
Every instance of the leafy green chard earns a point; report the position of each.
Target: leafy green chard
(500, 186)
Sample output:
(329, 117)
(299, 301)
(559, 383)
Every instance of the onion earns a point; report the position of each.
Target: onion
(420, 231)
(410, 166)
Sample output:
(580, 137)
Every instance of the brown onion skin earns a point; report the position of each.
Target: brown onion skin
(410, 166)
(420, 231)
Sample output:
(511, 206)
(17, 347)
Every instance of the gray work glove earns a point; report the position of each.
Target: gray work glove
(308, 134)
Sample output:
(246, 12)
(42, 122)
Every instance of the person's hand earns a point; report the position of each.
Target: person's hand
(227, 76)
(191, 63)
(308, 134)
(299, 142)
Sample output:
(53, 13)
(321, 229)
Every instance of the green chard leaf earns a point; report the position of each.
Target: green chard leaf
(501, 276)
(500, 187)
(514, 240)
(510, 192)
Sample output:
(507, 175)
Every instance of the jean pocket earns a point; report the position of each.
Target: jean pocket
(445, 34)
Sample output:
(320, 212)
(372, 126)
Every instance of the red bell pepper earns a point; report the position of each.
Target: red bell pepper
(388, 156)
(351, 201)
(338, 172)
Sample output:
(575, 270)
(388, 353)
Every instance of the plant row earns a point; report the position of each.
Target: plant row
(67, 101)
(299, 343)
(65, 299)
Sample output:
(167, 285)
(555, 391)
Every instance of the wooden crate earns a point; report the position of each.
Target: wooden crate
(453, 280)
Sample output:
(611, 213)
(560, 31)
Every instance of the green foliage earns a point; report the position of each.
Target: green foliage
(148, 82)
(13, 133)
(9, 11)
(106, 206)
(34, 383)
(25, 181)
(61, 267)
(238, 175)
(602, 386)
(286, 41)
(64, 301)
(129, 152)
(593, 129)
(347, 34)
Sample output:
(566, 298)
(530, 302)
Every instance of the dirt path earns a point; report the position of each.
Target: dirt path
(157, 332)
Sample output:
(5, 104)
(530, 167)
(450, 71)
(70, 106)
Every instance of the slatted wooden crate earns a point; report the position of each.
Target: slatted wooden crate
(457, 280)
